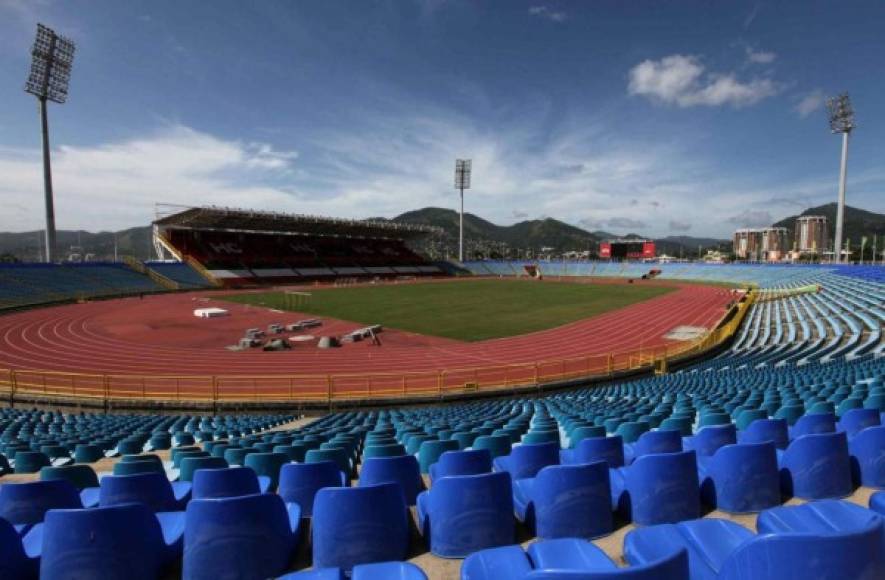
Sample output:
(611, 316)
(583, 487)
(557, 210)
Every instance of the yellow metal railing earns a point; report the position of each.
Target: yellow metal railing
(160, 279)
(343, 387)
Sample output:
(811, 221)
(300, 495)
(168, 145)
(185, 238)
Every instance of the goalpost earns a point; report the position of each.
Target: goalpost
(296, 300)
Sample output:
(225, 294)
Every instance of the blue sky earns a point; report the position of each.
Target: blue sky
(666, 118)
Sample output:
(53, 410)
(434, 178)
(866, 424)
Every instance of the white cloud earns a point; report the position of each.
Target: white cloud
(683, 80)
(810, 103)
(760, 56)
(548, 13)
(117, 184)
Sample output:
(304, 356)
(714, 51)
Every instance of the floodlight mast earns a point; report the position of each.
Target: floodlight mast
(462, 182)
(52, 57)
(841, 121)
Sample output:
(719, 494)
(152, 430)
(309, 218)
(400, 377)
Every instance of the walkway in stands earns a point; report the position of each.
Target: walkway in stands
(160, 335)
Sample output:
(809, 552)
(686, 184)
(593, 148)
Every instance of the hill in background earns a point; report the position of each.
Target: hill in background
(482, 236)
(858, 222)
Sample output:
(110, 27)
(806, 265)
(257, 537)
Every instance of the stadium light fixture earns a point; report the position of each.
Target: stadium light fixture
(462, 182)
(51, 59)
(841, 121)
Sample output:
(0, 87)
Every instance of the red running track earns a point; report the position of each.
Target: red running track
(160, 336)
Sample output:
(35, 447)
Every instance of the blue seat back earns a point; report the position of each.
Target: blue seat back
(663, 488)
(761, 430)
(224, 482)
(843, 555)
(117, 543)
(190, 465)
(813, 423)
(27, 503)
(709, 439)
(528, 459)
(299, 482)
(268, 465)
(430, 451)
(817, 467)
(247, 537)
(469, 513)
(608, 449)
(572, 501)
(402, 470)
(856, 420)
(80, 476)
(744, 478)
(150, 489)
(359, 525)
(668, 441)
(469, 462)
(867, 451)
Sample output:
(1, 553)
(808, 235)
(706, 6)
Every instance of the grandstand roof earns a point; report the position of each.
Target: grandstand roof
(226, 219)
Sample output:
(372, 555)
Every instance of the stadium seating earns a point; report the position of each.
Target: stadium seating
(28, 284)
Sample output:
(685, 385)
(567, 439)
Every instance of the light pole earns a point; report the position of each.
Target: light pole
(52, 57)
(841, 121)
(462, 182)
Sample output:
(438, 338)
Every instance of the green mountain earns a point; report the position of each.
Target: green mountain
(858, 222)
(28, 246)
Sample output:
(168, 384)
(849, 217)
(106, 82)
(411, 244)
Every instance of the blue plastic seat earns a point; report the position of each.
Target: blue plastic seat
(746, 417)
(813, 424)
(267, 466)
(80, 476)
(658, 488)
(15, 562)
(237, 455)
(877, 502)
(125, 542)
(386, 450)
(359, 525)
(295, 451)
(402, 470)
(299, 482)
(867, 451)
(468, 462)
(709, 439)
(430, 452)
(584, 432)
(720, 549)
(465, 513)
(496, 445)
(564, 501)
(667, 441)
(816, 467)
(30, 461)
(136, 467)
(226, 482)
(249, 537)
(591, 450)
(377, 571)
(567, 558)
(526, 460)
(817, 517)
(338, 455)
(536, 437)
(856, 420)
(741, 478)
(84, 453)
(191, 464)
(150, 489)
(762, 430)
(26, 504)
(630, 431)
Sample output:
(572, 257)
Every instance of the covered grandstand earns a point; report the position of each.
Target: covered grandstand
(242, 247)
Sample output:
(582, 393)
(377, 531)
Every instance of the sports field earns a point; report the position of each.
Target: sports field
(465, 310)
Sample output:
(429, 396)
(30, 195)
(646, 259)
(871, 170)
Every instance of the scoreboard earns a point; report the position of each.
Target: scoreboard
(627, 249)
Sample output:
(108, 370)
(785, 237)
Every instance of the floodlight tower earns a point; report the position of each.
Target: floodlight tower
(841, 121)
(462, 182)
(52, 57)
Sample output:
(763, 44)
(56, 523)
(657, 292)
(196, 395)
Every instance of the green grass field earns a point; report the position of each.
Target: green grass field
(465, 310)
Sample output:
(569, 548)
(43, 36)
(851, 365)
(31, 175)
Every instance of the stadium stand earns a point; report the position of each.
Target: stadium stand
(248, 247)
(792, 412)
(29, 284)
(180, 272)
